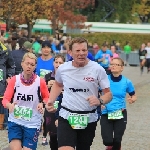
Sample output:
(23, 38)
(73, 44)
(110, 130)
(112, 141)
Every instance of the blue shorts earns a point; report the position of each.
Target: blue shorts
(27, 136)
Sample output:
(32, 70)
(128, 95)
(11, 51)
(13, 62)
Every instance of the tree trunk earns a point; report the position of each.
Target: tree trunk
(8, 24)
(29, 28)
(54, 27)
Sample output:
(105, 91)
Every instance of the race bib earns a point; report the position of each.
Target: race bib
(56, 104)
(115, 115)
(43, 72)
(78, 121)
(1, 75)
(22, 112)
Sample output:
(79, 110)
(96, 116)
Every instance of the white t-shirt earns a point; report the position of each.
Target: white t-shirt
(79, 84)
(148, 52)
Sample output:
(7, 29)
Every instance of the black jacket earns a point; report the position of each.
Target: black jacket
(7, 68)
(18, 55)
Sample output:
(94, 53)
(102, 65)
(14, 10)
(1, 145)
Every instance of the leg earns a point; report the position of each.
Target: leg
(44, 139)
(119, 128)
(51, 127)
(148, 64)
(106, 130)
(66, 148)
(1, 115)
(30, 138)
(5, 117)
(15, 145)
(15, 136)
(85, 136)
(53, 142)
(67, 136)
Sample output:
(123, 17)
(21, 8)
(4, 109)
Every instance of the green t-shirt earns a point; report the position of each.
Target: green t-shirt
(36, 47)
(127, 49)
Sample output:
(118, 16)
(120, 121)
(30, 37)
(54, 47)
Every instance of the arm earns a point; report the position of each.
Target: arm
(104, 84)
(44, 90)
(107, 95)
(130, 90)
(55, 91)
(106, 98)
(9, 92)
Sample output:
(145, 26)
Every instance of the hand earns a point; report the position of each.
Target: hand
(93, 100)
(11, 107)
(131, 99)
(40, 108)
(50, 83)
(50, 107)
(102, 107)
(56, 123)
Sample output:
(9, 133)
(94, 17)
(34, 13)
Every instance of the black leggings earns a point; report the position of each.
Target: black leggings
(44, 127)
(113, 130)
(148, 63)
(53, 142)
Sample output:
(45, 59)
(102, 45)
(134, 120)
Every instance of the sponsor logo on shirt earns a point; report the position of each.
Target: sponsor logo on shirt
(78, 90)
(89, 79)
(24, 97)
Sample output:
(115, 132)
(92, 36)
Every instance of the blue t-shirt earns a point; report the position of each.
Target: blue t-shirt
(89, 56)
(119, 90)
(44, 66)
(101, 54)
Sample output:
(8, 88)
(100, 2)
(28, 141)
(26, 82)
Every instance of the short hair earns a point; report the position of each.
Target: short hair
(59, 56)
(121, 60)
(77, 40)
(104, 45)
(29, 55)
(21, 41)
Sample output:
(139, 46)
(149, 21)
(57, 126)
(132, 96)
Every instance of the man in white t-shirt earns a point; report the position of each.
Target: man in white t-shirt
(80, 79)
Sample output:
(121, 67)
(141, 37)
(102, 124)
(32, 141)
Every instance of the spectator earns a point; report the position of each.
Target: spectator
(127, 51)
(7, 70)
(18, 55)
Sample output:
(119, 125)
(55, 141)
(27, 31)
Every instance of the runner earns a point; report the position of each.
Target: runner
(7, 70)
(114, 115)
(80, 79)
(45, 66)
(103, 57)
(142, 57)
(23, 99)
(113, 50)
(50, 117)
(45, 62)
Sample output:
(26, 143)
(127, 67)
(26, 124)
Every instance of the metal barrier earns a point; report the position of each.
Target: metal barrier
(133, 58)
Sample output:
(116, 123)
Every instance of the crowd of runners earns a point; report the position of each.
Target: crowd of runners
(63, 89)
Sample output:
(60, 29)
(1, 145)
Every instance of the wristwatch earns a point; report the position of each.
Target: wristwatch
(101, 101)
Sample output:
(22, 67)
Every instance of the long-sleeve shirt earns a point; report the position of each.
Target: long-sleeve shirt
(8, 95)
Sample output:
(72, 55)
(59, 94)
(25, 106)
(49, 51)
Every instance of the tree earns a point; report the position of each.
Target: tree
(27, 11)
(69, 12)
(142, 9)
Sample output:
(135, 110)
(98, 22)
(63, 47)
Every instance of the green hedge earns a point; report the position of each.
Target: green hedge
(135, 39)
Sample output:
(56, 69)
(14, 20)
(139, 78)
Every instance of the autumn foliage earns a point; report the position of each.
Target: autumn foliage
(58, 11)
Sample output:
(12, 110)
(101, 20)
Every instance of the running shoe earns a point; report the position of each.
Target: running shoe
(44, 141)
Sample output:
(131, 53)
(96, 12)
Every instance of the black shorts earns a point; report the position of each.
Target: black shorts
(80, 138)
